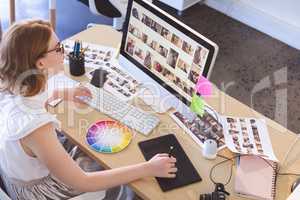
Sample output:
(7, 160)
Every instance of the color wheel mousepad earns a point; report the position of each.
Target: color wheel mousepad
(107, 136)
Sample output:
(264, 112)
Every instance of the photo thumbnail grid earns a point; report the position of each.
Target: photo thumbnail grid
(173, 59)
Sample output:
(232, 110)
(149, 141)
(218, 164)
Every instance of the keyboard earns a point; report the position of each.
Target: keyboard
(122, 111)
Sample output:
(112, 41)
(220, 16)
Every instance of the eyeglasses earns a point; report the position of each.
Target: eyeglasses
(58, 49)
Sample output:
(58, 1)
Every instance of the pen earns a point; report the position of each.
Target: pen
(170, 151)
(78, 49)
(75, 47)
(81, 47)
(83, 50)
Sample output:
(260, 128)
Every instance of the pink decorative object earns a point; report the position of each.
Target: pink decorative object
(204, 87)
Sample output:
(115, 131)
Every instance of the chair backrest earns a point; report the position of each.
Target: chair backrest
(107, 8)
(3, 194)
(92, 6)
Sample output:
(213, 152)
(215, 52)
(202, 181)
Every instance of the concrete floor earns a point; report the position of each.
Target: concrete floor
(257, 65)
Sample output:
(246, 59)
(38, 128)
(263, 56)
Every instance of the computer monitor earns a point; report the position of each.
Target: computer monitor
(157, 47)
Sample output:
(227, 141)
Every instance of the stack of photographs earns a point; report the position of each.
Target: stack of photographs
(247, 136)
(201, 128)
(119, 82)
(94, 55)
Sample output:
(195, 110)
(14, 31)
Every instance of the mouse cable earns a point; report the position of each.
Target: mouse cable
(220, 163)
(290, 149)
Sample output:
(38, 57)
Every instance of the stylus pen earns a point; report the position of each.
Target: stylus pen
(170, 151)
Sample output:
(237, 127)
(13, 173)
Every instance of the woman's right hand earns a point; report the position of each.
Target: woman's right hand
(161, 165)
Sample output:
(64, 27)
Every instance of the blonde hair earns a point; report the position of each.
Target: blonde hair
(21, 46)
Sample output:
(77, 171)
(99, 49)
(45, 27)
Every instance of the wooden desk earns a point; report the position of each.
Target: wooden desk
(75, 121)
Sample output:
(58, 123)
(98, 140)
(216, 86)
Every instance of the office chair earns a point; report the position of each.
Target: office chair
(3, 194)
(115, 9)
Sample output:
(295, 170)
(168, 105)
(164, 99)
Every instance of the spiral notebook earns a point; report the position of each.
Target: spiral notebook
(255, 178)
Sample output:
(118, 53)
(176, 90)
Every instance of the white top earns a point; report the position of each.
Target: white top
(19, 117)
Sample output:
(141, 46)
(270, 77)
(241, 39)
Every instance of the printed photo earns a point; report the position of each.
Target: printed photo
(194, 73)
(172, 58)
(257, 139)
(235, 140)
(95, 55)
(201, 127)
(118, 89)
(120, 82)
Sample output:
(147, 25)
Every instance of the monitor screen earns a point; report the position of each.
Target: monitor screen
(167, 50)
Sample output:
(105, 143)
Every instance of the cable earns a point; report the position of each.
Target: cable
(221, 156)
(220, 163)
(287, 174)
(290, 149)
(276, 169)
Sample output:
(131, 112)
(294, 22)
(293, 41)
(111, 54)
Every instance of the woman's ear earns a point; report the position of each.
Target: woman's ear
(40, 63)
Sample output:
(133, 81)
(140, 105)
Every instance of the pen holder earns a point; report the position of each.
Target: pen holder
(76, 64)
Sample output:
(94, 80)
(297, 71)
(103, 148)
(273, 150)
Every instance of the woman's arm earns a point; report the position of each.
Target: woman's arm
(45, 146)
(69, 94)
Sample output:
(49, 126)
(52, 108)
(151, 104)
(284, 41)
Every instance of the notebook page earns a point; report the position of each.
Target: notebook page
(254, 178)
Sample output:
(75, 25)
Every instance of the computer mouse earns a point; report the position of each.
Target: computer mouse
(210, 148)
(295, 184)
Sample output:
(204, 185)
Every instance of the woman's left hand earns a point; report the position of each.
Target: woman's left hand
(73, 93)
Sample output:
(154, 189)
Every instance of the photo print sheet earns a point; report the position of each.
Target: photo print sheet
(248, 136)
(200, 128)
(119, 82)
(95, 55)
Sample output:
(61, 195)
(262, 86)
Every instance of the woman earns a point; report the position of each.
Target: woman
(34, 164)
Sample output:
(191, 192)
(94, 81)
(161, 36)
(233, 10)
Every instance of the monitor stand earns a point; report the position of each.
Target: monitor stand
(152, 93)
